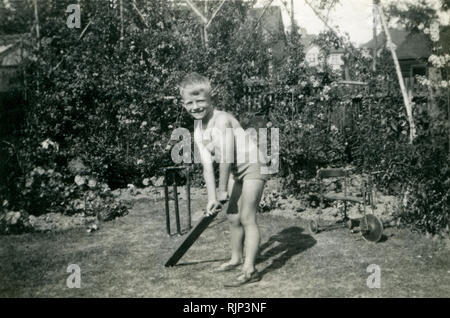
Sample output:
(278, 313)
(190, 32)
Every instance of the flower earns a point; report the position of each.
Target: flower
(92, 183)
(140, 161)
(146, 181)
(365, 54)
(47, 142)
(443, 17)
(79, 180)
(78, 205)
(29, 182)
(269, 124)
(144, 123)
(39, 171)
(105, 187)
(434, 31)
(439, 61)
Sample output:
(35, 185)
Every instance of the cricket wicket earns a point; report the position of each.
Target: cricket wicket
(170, 175)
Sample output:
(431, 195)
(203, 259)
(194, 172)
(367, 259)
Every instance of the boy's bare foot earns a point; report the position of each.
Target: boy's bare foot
(245, 278)
(228, 266)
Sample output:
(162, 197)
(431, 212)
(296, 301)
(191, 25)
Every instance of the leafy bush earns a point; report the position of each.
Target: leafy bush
(112, 103)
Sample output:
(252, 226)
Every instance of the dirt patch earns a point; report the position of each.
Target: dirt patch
(274, 202)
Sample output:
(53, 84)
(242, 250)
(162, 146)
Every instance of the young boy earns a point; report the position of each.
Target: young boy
(220, 137)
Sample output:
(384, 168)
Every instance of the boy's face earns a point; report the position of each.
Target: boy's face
(196, 101)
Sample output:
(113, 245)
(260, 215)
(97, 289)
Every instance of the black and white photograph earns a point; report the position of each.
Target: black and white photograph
(204, 150)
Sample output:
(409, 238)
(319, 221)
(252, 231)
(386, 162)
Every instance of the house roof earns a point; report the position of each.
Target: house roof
(308, 42)
(10, 54)
(271, 20)
(397, 36)
(409, 45)
(415, 46)
(272, 28)
(5, 48)
(307, 39)
(6, 39)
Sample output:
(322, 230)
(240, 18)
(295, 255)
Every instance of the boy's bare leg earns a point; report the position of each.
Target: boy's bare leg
(236, 228)
(251, 195)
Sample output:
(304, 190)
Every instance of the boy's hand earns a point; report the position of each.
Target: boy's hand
(213, 207)
(222, 197)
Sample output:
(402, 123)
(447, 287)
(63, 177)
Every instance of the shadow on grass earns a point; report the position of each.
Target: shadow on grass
(383, 238)
(291, 241)
(201, 262)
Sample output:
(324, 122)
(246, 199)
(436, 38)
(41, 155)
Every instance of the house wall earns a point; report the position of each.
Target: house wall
(9, 69)
(11, 59)
(9, 78)
(335, 61)
(312, 56)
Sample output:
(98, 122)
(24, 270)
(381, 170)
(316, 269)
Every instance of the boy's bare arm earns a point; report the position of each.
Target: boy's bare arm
(208, 172)
(226, 141)
(210, 181)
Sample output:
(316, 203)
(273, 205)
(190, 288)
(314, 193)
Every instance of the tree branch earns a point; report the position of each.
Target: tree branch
(215, 13)
(141, 17)
(197, 12)
(84, 30)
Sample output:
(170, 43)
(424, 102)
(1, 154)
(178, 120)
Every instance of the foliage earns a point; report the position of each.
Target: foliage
(333, 125)
(112, 102)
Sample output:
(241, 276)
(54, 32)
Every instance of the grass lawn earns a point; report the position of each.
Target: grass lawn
(125, 259)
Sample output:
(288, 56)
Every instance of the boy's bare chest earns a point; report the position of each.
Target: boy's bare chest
(206, 138)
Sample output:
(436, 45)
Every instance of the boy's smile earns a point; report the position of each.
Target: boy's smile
(197, 102)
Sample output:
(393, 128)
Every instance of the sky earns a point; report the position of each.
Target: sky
(351, 16)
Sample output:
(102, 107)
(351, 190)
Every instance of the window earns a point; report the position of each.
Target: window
(312, 59)
(418, 70)
(335, 59)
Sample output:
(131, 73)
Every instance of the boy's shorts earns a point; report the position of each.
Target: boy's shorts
(249, 171)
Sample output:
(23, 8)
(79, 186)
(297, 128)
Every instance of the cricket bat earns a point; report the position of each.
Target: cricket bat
(190, 239)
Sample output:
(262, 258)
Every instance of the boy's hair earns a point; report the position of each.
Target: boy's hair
(196, 79)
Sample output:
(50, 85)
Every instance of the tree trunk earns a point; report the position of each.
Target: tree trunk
(374, 35)
(292, 17)
(36, 17)
(121, 24)
(406, 98)
(448, 119)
